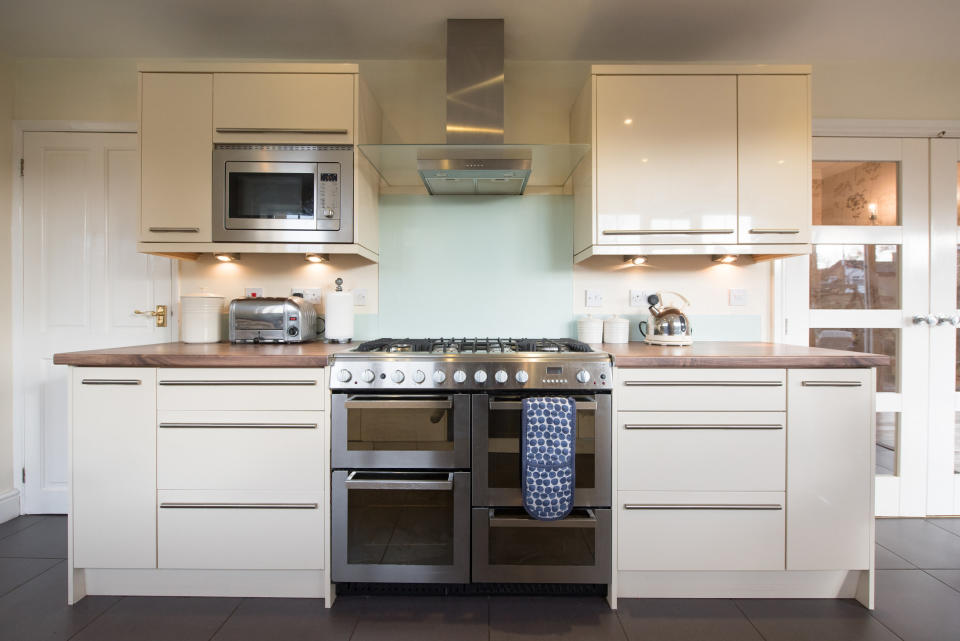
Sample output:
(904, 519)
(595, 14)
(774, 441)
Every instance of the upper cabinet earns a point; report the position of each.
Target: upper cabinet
(693, 159)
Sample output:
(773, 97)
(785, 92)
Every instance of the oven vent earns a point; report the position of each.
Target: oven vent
(264, 147)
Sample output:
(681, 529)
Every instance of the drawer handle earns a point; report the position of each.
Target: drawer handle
(657, 232)
(238, 382)
(774, 231)
(399, 481)
(238, 506)
(703, 383)
(590, 521)
(702, 506)
(701, 426)
(278, 130)
(399, 404)
(272, 426)
(111, 381)
(831, 383)
(177, 230)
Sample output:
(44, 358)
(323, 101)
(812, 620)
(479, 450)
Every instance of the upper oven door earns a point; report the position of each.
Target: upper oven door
(497, 462)
(271, 195)
(401, 431)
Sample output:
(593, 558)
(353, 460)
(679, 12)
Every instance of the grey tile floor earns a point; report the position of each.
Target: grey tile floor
(918, 599)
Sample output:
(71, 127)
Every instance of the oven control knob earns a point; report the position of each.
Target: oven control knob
(367, 376)
(397, 376)
(521, 376)
(419, 377)
(328, 213)
(583, 376)
(480, 376)
(344, 376)
(500, 376)
(459, 376)
(439, 377)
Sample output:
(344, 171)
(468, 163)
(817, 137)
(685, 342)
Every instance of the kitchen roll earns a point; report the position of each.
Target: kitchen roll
(338, 314)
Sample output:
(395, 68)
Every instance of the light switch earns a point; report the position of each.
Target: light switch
(738, 297)
(594, 298)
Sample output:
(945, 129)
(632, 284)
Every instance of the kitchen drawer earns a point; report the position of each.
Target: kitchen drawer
(718, 390)
(691, 451)
(239, 530)
(701, 531)
(240, 450)
(213, 389)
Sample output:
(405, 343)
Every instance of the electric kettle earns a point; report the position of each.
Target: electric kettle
(666, 325)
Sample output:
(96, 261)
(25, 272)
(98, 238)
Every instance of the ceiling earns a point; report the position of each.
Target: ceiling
(650, 30)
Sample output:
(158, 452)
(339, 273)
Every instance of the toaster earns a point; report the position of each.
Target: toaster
(272, 320)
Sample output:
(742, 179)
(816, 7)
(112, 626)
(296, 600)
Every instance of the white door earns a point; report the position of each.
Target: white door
(862, 286)
(82, 281)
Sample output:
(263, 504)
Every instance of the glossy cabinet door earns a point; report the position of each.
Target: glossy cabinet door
(829, 469)
(666, 160)
(284, 107)
(176, 140)
(775, 160)
(114, 474)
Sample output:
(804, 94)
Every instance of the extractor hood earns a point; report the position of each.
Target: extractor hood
(475, 160)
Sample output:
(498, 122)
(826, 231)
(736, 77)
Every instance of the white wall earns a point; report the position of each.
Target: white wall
(6, 309)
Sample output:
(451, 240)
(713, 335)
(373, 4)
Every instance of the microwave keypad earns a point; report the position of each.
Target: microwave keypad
(328, 192)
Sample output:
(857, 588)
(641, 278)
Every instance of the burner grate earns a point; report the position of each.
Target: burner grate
(474, 345)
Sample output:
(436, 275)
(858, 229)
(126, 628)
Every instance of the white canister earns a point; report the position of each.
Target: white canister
(338, 315)
(590, 330)
(616, 330)
(200, 318)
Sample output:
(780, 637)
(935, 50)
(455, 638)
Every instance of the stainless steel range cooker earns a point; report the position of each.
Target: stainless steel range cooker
(426, 458)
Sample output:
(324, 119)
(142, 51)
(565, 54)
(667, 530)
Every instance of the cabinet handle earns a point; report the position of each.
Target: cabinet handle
(171, 230)
(702, 506)
(238, 506)
(237, 382)
(774, 231)
(693, 426)
(111, 381)
(273, 426)
(831, 383)
(279, 130)
(703, 383)
(656, 232)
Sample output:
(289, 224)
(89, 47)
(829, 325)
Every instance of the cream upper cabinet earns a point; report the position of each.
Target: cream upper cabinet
(666, 159)
(775, 161)
(284, 107)
(176, 139)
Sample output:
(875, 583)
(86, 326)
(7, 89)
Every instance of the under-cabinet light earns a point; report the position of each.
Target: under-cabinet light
(316, 258)
(226, 258)
(726, 259)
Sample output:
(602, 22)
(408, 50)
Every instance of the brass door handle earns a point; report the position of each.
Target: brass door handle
(160, 314)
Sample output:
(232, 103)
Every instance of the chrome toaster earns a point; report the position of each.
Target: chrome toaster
(272, 320)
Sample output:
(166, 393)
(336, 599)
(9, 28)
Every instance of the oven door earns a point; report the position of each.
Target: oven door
(401, 431)
(496, 450)
(511, 547)
(271, 195)
(401, 527)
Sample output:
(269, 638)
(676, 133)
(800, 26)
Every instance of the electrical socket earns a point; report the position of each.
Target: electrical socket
(253, 292)
(594, 298)
(737, 297)
(359, 297)
(310, 294)
(638, 297)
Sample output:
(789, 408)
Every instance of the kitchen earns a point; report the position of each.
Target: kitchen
(419, 262)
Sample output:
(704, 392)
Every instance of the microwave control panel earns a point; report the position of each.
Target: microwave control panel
(328, 192)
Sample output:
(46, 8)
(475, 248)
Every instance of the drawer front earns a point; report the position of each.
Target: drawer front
(240, 450)
(718, 390)
(702, 451)
(239, 530)
(701, 531)
(212, 389)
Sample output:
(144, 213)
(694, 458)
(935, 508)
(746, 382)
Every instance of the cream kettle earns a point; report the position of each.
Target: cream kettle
(667, 325)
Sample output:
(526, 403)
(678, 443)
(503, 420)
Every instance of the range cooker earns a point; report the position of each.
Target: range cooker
(426, 438)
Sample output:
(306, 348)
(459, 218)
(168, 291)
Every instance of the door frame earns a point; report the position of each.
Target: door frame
(20, 127)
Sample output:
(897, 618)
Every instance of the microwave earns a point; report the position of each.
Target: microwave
(283, 193)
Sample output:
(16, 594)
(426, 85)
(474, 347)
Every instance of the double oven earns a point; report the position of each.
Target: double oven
(426, 488)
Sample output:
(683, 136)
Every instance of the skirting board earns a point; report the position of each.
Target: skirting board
(833, 584)
(9, 505)
(234, 583)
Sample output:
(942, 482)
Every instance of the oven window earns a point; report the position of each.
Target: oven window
(560, 544)
(271, 196)
(381, 427)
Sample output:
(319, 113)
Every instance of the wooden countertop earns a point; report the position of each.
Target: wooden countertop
(736, 355)
(703, 354)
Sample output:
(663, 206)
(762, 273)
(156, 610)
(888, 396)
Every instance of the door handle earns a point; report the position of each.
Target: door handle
(948, 319)
(703, 383)
(399, 481)
(774, 231)
(238, 506)
(174, 230)
(279, 130)
(831, 384)
(160, 314)
(588, 521)
(702, 506)
(656, 232)
(925, 319)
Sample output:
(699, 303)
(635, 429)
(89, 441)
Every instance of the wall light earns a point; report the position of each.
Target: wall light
(636, 260)
(226, 258)
(316, 258)
(628, 121)
(726, 259)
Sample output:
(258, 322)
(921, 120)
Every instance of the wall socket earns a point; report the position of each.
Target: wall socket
(253, 292)
(359, 297)
(310, 294)
(738, 297)
(594, 298)
(638, 297)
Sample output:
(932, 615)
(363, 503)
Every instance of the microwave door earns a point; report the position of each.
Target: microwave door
(271, 195)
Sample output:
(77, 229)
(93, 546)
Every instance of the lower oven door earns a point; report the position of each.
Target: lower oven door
(401, 527)
(497, 463)
(511, 547)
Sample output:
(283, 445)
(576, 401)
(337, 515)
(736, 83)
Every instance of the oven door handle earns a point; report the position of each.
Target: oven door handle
(398, 404)
(398, 483)
(516, 405)
(589, 521)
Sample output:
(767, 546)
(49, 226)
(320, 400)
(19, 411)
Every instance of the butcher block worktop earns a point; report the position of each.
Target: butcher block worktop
(705, 354)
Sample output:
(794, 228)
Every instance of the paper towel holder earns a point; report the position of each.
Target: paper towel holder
(339, 283)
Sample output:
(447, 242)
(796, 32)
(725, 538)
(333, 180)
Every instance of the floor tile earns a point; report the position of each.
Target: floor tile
(923, 544)
(15, 572)
(685, 620)
(38, 609)
(953, 525)
(916, 606)
(160, 619)
(46, 539)
(814, 620)
(950, 577)
(424, 618)
(291, 620)
(887, 560)
(20, 523)
(581, 618)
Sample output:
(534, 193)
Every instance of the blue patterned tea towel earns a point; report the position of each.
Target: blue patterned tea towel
(548, 444)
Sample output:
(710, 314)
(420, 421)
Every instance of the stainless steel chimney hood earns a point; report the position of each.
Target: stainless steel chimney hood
(475, 160)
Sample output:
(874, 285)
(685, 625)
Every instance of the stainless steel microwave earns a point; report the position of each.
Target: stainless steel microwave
(283, 193)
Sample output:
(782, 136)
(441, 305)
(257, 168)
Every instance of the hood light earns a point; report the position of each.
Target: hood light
(316, 258)
(726, 259)
(637, 260)
(226, 258)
